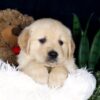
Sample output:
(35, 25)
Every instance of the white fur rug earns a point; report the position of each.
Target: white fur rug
(15, 85)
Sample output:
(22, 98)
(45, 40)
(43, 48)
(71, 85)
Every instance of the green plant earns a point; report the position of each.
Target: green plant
(94, 52)
(86, 56)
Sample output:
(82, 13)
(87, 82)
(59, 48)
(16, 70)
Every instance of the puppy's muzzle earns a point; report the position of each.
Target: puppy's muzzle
(52, 56)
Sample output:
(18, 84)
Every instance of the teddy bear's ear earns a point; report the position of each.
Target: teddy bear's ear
(23, 39)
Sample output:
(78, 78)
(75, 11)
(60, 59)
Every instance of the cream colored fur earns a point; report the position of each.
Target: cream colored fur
(33, 56)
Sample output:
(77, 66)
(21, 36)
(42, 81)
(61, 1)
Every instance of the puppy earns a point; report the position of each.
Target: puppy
(47, 51)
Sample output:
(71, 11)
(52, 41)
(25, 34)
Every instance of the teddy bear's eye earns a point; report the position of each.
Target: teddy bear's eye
(9, 23)
(42, 40)
(61, 42)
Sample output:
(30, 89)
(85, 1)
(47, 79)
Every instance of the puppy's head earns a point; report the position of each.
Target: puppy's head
(47, 41)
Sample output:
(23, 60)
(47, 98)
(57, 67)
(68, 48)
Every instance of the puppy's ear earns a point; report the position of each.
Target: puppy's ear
(23, 39)
(71, 48)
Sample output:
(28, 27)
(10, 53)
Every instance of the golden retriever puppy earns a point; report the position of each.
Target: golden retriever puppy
(47, 51)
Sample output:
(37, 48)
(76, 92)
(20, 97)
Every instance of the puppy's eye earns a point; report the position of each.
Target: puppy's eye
(61, 42)
(42, 40)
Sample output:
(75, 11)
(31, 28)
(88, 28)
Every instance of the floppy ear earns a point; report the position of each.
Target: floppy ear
(71, 48)
(23, 40)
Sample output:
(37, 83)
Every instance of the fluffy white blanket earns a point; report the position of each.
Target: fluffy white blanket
(15, 85)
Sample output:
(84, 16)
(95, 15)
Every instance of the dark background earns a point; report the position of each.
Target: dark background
(61, 10)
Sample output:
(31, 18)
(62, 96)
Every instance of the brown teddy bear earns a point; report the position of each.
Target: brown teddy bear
(12, 22)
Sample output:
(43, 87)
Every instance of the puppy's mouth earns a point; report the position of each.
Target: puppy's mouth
(51, 62)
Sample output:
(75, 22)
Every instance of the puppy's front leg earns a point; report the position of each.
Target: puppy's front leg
(37, 72)
(57, 77)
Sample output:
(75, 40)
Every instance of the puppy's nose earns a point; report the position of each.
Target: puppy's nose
(52, 54)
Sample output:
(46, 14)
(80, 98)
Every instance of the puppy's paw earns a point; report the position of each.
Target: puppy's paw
(56, 79)
(37, 72)
(41, 76)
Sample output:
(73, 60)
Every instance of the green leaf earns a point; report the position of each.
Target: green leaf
(87, 25)
(76, 25)
(94, 52)
(83, 51)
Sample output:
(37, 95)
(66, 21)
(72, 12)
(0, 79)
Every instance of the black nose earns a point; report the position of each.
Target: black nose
(52, 54)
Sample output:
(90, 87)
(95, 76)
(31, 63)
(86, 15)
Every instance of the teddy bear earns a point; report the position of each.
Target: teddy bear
(12, 22)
